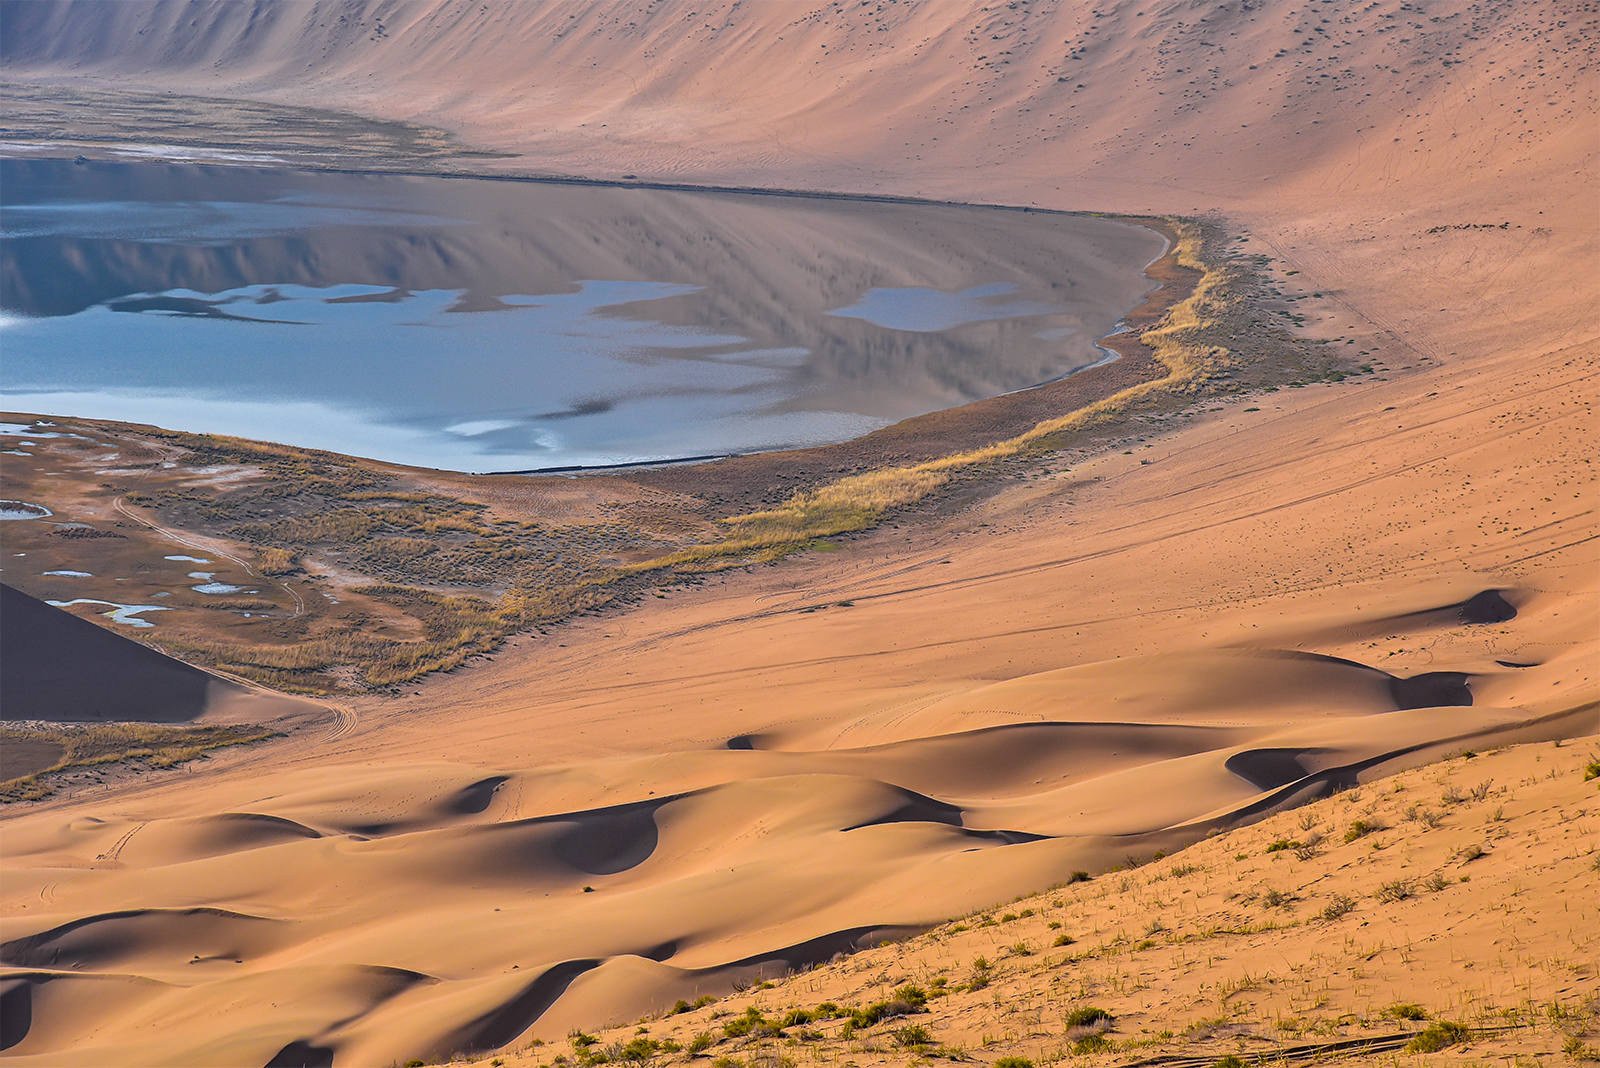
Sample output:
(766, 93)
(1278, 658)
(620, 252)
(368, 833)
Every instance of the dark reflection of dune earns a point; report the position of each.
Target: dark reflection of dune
(766, 269)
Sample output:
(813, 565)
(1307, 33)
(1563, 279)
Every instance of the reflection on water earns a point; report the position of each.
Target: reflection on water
(485, 325)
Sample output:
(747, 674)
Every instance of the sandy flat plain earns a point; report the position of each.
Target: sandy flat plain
(1270, 598)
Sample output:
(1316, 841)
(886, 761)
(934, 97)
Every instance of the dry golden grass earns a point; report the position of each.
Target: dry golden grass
(1231, 948)
(91, 745)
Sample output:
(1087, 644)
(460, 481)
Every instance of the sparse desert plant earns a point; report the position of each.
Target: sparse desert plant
(1281, 844)
(1091, 1044)
(1230, 1061)
(1078, 877)
(1427, 817)
(1338, 905)
(1394, 890)
(1308, 819)
(1435, 883)
(1309, 851)
(1470, 853)
(1360, 829)
(1086, 1015)
(1575, 1048)
(1063, 940)
(1406, 1011)
(915, 1035)
(1013, 1062)
(1451, 796)
(1275, 898)
(1481, 791)
(1591, 770)
(1022, 949)
(1438, 1036)
(1180, 870)
(1154, 927)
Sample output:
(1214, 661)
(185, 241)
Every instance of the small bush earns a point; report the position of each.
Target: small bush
(1280, 845)
(640, 1049)
(1338, 905)
(700, 1043)
(1087, 1015)
(1230, 1061)
(1591, 770)
(912, 1036)
(1406, 1011)
(1022, 949)
(1063, 940)
(1091, 1044)
(1395, 890)
(1077, 877)
(1275, 898)
(1470, 853)
(1435, 883)
(1438, 1036)
(1360, 829)
(1013, 1062)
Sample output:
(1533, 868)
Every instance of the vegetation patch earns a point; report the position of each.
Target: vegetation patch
(92, 745)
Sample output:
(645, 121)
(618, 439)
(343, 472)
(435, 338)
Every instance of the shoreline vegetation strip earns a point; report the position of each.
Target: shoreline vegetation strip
(399, 540)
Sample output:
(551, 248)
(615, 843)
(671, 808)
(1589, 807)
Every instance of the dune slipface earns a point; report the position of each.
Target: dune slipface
(59, 667)
(1181, 623)
(459, 909)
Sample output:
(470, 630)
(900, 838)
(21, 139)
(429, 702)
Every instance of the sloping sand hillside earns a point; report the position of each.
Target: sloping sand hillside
(1445, 908)
(1179, 629)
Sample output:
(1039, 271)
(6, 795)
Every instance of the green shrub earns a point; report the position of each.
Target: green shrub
(1360, 829)
(1406, 1011)
(912, 1036)
(700, 1042)
(1063, 940)
(1087, 1015)
(1013, 1062)
(1091, 1044)
(1438, 1036)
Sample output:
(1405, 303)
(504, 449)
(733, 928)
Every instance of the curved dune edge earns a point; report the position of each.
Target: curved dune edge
(1374, 887)
(393, 911)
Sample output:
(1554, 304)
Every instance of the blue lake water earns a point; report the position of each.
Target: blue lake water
(484, 325)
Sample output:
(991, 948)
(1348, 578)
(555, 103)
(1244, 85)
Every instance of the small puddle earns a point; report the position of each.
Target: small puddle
(121, 613)
(23, 510)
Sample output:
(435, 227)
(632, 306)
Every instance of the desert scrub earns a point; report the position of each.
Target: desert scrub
(1438, 1036)
(155, 745)
(1406, 1011)
(1394, 890)
(1338, 905)
(1360, 829)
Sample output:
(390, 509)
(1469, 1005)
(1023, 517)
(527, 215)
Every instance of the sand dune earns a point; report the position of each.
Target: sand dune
(1185, 626)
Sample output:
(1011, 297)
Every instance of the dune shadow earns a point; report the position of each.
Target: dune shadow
(302, 1054)
(111, 937)
(501, 1025)
(1432, 689)
(1268, 769)
(920, 808)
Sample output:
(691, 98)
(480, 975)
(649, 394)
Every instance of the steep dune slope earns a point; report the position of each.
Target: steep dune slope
(1251, 605)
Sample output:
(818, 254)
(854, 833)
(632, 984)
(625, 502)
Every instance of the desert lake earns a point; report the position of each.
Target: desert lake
(485, 325)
